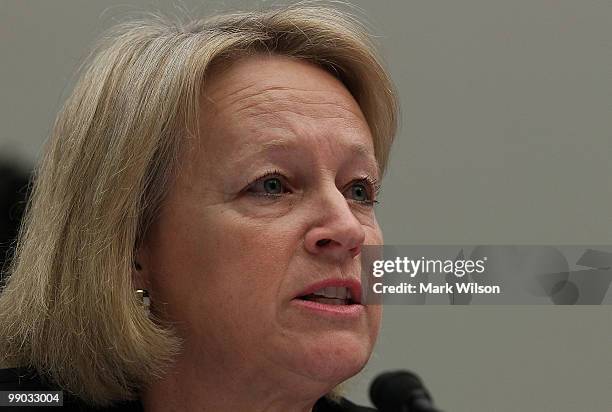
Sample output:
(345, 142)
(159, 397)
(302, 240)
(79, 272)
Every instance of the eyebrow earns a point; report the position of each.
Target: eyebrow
(357, 149)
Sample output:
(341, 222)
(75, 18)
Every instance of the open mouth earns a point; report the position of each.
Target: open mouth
(331, 296)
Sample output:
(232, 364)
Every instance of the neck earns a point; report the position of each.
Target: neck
(194, 386)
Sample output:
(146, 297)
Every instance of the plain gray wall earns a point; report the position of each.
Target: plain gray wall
(506, 139)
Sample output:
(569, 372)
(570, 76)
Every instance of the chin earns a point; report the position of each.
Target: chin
(336, 357)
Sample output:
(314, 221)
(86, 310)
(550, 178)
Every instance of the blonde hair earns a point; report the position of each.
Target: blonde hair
(68, 308)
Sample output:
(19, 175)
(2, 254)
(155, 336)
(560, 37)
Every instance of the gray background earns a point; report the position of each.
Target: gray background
(505, 138)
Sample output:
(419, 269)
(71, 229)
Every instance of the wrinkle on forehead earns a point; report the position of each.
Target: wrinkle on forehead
(254, 81)
(254, 100)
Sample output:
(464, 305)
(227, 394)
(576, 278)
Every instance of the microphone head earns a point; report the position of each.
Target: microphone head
(398, 390)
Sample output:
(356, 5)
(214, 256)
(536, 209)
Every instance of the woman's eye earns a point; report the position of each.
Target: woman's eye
(273, 186)
(364, 191)
(267, 186)
(359, 192)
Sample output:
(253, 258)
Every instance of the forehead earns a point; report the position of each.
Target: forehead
(261, 101)
(248, 75)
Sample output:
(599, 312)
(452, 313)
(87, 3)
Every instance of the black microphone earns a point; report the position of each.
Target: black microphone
(400, 391)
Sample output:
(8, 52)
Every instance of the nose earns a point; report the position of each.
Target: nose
(337, 233)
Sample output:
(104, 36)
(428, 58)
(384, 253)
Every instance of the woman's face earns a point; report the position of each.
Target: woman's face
(273, 200)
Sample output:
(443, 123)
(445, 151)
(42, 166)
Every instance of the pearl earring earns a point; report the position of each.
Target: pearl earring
(145, 301)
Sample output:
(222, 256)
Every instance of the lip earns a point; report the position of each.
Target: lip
(352, 311)
(331, 311)
(353, 285)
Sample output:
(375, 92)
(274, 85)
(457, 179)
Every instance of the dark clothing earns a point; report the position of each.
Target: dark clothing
(24, 379)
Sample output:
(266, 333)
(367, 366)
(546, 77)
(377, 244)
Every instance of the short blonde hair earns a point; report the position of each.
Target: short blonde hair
(68, 308)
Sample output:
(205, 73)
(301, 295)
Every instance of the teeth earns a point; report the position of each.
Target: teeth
(334, 292)
(330, 292)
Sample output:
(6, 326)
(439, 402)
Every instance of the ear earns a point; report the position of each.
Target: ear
(141, 269)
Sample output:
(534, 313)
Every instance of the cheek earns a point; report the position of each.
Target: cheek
(374, 235)
(221, 265)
